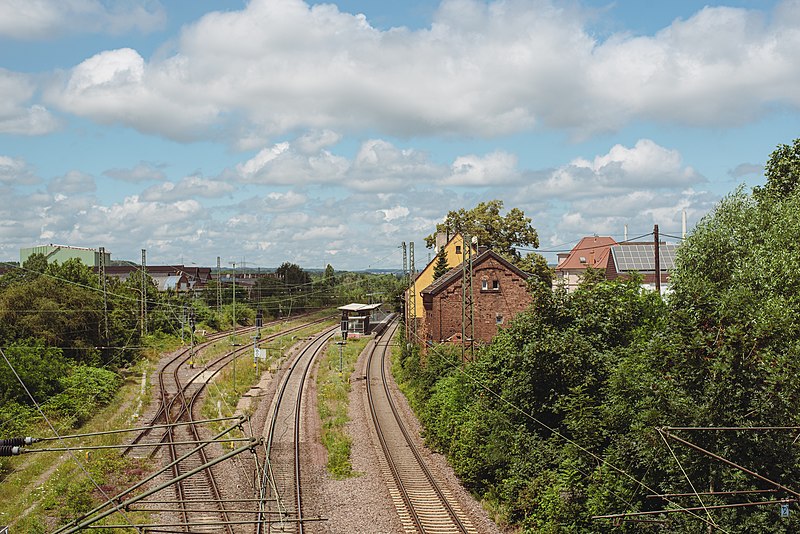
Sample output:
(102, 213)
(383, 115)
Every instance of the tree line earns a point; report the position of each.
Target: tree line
(569, 413)
(67, 338)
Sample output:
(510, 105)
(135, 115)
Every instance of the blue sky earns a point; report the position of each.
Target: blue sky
(328, 133)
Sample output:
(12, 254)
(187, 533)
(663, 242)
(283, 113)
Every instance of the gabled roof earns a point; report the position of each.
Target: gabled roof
(591, 251)
(455, 236)
(456, 273)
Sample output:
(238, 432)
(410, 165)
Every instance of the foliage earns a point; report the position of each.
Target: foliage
(39, 368)
(536, 265)
(782, 171)
(500, 233)
(440, 267)
(555, 421)
(84, 389)
(333, 389)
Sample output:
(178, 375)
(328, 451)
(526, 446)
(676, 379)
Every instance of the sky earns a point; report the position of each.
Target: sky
(267, 131)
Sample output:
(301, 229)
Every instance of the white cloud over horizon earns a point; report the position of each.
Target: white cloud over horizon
(289, 131)
(44, 19)
(634, 185)
(480, 69)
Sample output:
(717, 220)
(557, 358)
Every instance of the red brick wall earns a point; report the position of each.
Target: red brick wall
(443, 320)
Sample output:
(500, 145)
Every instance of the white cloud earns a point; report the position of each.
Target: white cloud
(314, 142)
(143, 172)
(481, 69)
(378, 166)
(397, 212)
(45, 19)
(188, 187)
(16, 115)
(496, 168)
(74, 182)
(622, 169)
(14, 171)
(322, 232)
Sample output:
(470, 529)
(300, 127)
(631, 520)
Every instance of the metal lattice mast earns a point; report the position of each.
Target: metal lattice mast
(105, 292)
(144, 292)
(219, 288)
(405, 285)
(412, 300)
(467, 308)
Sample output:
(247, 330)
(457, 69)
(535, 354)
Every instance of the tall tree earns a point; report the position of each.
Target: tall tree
(782, 171)
(440, 268)
(501, 233)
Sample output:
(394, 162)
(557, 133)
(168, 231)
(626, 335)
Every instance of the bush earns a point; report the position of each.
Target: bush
(85, 389)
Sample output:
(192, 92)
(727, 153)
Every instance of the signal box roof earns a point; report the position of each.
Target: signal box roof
(360, 307)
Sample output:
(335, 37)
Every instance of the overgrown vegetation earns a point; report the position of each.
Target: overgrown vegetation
(333, 390)
(66, 346)
(557, 420)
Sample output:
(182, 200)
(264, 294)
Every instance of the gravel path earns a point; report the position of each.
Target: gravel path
(356, 505)
(362, 504)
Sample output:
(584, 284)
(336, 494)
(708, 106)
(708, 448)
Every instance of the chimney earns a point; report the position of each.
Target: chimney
(441, 240)
(683, 220)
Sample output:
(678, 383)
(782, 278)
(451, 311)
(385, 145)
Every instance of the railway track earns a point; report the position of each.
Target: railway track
(423, 504)
(281, 491)
(198, 500)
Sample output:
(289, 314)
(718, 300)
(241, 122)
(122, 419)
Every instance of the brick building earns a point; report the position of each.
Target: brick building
(499, 292)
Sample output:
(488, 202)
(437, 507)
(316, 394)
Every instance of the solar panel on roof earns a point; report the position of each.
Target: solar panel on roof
(642, 257)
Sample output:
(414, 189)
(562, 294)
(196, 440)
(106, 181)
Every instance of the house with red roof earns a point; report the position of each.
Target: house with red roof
(592, 251)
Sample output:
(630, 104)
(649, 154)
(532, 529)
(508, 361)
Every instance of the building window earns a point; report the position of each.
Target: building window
(484, 285)
(458, 249)
(496, 285)
(498, 319)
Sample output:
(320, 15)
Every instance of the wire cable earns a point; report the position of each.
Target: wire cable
(69, 451)
(555, 432)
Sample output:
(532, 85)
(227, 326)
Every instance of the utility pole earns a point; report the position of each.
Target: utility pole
(144, 292)
(405, 285)
(412, 299)
(191, 338)
(234, 327)
(105, 292)
(219, 289)
(657, 260)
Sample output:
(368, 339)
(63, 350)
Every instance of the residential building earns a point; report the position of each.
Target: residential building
(627, 258)
(499, 292)
(454, 250)
(592, 251)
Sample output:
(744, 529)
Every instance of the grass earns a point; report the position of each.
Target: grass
(46, 489)
(222, 397)
(333, 390)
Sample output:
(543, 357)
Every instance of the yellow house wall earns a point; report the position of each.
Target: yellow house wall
(425, 277)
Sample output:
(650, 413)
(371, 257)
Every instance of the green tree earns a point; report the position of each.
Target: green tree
(782, 171)
(536, 265)
(39, 367)
(330, 275)
(582, 381)
(440, 268)
(502, 233)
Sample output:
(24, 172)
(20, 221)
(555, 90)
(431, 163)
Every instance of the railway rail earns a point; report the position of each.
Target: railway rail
(198, 501)
(423, 504)
(281, 508)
